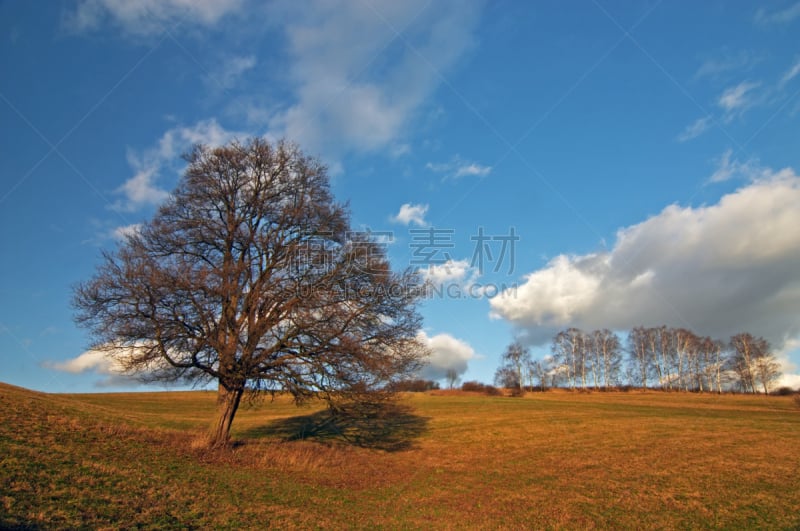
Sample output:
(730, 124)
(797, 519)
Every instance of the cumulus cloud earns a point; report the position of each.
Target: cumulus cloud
(695, 129)
(209, 132)
(96, 362)
(120, 233)
(109, 362)
(456, 278)
(146, 17)
(452, 271)
(142, 189)
(361, 71)
(789, 376)
(91, 360)
(447, 353)
(718, 270)
(410, 213)
(790, 380)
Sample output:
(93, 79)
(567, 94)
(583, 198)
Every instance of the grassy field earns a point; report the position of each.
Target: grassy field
(442, 460)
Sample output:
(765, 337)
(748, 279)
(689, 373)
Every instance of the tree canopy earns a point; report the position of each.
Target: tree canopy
(250, 274)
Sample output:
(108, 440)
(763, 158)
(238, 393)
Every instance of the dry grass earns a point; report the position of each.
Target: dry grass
(445, 460)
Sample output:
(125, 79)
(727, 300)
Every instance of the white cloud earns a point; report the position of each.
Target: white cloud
(789, 376)
(736, 100)
(447, 353)
(727, 63)
(567, 287)
(730, 168)
(90, 361)
(790, 74)
(411, 214)
(146, 17)
(472, 169)
(695, 129)
(790, 380)
(783, 16)
(361, 71)
(458, 167)
(441, 167)
(206, 132)
(453, 272)
(120, 233)
(230, 70)
(97, 362)
(142, 189)
(357, 74)
(109, 362)
(718, 270)
(398, 150)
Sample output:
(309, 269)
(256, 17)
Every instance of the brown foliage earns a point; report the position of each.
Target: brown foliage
(479, 387)
(414, 386)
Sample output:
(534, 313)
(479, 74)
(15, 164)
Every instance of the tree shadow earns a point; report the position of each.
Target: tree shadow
(387, 426)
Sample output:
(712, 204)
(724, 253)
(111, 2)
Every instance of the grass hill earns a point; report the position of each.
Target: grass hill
(441, 460)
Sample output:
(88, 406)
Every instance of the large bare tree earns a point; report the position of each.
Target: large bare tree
(249, 275)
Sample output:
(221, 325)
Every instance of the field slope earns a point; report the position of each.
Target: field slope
(445, 460)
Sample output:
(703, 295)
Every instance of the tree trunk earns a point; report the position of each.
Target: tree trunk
(227, 404)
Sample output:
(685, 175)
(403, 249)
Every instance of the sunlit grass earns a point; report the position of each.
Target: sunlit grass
(552, 460)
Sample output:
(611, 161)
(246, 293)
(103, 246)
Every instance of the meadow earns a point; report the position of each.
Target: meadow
(555, 460)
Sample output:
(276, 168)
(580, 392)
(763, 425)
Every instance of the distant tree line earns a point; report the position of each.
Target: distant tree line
(414, 385)
(658, 357)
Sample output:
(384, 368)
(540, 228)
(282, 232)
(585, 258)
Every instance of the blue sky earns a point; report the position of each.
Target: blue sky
(645, 154)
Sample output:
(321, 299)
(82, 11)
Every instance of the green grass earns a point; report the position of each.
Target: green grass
(442, 460)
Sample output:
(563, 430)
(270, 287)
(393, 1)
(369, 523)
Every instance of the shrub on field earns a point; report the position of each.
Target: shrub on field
(473, 386)
(517, 392)
(478, 387)
(414, 386)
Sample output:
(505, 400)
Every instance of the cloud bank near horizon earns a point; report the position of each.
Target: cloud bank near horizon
(718, 270)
